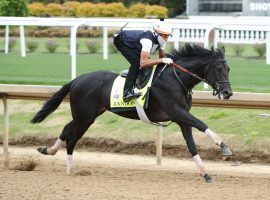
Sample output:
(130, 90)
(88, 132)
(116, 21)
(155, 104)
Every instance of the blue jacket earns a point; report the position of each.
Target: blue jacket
(132, 38)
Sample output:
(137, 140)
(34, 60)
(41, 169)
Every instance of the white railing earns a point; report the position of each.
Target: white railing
(244, 30)
(75, 23)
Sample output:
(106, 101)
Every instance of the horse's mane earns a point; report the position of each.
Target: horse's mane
(190, 50)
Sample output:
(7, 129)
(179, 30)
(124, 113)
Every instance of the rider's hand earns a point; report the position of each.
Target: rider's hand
(167, 60)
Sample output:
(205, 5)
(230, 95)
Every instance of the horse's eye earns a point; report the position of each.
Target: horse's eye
(220, 67)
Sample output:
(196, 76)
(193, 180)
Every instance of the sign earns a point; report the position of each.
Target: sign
(256, 8)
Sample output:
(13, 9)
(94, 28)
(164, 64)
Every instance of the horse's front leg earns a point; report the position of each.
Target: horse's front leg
(180, 115)
(187, 134)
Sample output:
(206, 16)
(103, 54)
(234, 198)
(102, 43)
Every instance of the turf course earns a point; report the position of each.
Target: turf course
(248, 73)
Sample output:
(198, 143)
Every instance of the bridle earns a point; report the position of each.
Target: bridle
(217, 86)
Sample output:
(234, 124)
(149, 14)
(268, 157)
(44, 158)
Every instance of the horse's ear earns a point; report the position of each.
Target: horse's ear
(223, 50)
(212, 48)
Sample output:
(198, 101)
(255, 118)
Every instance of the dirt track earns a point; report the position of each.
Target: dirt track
(117, 176)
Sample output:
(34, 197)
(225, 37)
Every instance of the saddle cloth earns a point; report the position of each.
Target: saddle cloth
(117, 103)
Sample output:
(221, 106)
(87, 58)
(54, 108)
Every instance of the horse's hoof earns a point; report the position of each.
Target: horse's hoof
(42, 150)
(226, 151)
(208, 179)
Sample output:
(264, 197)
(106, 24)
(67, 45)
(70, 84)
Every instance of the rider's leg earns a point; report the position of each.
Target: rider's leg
(130, 82)
(134, 60)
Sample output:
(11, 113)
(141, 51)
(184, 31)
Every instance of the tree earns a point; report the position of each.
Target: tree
(16, 8)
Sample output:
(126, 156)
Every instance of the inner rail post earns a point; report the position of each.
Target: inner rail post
(5, 132)
(159, 145)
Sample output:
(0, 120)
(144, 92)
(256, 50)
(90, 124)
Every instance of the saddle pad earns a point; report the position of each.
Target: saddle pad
(117, 103)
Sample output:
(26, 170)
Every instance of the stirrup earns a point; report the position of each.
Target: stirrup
(128, 95)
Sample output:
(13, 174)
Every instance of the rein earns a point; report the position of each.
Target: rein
(214, 84)
(190, 73)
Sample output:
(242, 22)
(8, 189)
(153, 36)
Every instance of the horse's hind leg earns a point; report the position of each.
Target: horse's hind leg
(77, 130)
(58, 144)
(71, 133)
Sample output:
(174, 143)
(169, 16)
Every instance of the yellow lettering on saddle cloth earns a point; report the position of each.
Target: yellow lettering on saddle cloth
(116, 100)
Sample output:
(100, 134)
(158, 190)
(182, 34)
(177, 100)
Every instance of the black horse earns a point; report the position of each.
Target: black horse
(170, 99)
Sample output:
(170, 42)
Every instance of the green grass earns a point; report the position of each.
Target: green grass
(53, 69)
(242, 123)
(247, 74)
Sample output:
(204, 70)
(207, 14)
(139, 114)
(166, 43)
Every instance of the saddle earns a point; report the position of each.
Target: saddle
(143, 84)
(142, 78)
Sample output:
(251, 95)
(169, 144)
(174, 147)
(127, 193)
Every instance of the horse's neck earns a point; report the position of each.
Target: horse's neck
(194, 67)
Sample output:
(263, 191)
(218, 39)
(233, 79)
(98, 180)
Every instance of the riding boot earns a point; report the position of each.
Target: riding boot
(129, 92)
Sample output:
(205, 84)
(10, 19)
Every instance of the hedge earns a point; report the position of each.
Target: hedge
(87, 9)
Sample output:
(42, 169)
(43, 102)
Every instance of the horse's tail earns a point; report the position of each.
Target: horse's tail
(52, 104)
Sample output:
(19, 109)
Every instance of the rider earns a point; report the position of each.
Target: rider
(136, 46)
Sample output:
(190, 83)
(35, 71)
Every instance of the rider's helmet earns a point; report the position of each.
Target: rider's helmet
(162, 27)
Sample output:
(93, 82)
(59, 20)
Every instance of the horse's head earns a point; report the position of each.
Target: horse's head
(205, 65)
(217, 74)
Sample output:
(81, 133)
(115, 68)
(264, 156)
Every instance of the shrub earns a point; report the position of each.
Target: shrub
(157, 11)
(260, 49)
(51, 46)
(16, 8)
(101, 10)
(70, 8)
(141, 10)
(92, 46)
(238, 49)
(85, 10)
(89, 9)
(32, 45)
(37, 9)
(114, 10)
(54, 9)
(112, 48)
(11, 43)
(137, 10)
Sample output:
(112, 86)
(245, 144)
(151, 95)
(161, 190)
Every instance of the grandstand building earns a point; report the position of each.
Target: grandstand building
(228, 7)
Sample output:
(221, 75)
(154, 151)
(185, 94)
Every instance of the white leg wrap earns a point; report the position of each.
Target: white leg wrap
(57, 145)
(69, 163)
(199, 164)
(217, 140)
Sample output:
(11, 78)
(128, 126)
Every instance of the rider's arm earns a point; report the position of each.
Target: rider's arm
(145, 60)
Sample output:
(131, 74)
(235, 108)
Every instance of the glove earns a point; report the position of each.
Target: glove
(167, 60)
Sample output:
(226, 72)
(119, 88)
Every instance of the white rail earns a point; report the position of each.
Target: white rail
(195, 29)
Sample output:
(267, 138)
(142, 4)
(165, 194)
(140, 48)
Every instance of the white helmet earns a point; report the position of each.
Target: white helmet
(162, 28)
